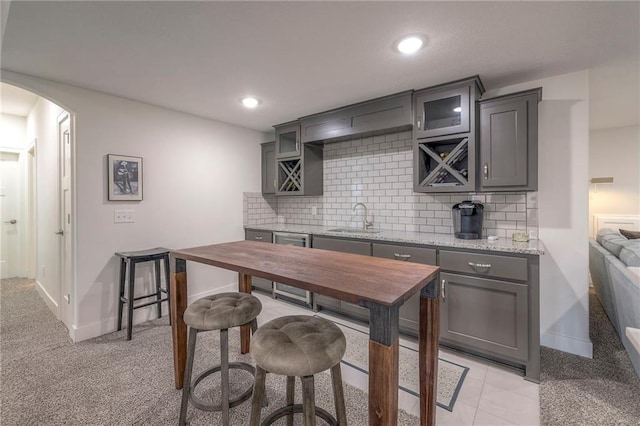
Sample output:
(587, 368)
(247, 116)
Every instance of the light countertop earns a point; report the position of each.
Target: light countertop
(534, 247)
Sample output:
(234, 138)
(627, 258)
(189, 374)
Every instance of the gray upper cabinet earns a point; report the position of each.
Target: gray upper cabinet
(387, 114)
(444, 147)
(268, 168)
(298, 168)
(288, 140)
(509, 142)
(301, 175)
(446, 109)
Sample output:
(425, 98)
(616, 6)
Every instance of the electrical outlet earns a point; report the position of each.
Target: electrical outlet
(124, 216)
(314, 210)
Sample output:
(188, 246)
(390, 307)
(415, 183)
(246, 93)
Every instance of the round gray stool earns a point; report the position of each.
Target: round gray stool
(298, 346)
(217, 312)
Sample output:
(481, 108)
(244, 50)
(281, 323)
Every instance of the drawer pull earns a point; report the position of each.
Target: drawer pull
(443, 284)
(258, 238)
(480, 265)
(402, 256)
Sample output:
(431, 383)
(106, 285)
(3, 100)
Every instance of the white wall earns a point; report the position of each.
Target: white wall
(614, 95)
(13, 131)
(195, 171)
(614, 151)
(563, 209)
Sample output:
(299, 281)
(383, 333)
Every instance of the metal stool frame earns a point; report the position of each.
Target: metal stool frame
(188, 388)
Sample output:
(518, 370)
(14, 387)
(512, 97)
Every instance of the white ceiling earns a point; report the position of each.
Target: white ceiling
(305, 57)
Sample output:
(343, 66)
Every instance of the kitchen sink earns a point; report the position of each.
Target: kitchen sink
(353, 231)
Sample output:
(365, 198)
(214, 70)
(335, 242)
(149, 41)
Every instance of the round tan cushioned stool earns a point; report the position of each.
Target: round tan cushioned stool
(298, 346)
(217, 312)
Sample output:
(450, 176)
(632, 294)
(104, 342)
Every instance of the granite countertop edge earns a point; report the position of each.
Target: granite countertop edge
(533, 247)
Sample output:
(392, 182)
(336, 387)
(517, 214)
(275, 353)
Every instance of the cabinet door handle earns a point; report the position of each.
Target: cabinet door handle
(443, 284)
(480, 265)
(402, 256)
(419, 122)
(258, 238)
(485, 170)
(275, 184)
(298, 146)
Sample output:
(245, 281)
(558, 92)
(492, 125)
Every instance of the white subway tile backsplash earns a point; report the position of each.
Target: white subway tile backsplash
(520, 198)
(378, 171)
(517, 216)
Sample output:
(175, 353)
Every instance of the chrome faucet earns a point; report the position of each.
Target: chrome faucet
(365, 223)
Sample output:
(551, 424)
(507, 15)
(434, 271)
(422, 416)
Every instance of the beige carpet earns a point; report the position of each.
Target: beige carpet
(604, 390)
(46, 380)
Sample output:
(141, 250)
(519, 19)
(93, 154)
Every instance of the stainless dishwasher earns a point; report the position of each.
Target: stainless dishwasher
(283, 290)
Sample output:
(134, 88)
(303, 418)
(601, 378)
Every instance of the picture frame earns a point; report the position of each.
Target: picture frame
(124, 177)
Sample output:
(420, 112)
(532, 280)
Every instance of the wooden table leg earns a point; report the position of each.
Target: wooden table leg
(178, 296)
(244, 286)
(428, 352)
(383, 365)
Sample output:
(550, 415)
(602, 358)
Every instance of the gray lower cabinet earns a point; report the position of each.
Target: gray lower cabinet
(485, 315)
(508, 154)
(266, 237)
(410, 310)
(268, 168)
(490, 305)
(345, 246)
(388, 114)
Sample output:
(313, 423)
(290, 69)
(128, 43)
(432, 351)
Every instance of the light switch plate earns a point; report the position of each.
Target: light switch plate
(124, 216)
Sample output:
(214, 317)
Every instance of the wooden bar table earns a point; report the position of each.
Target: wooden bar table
(382, 285)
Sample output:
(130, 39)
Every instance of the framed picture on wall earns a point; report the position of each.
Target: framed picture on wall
(125, 178)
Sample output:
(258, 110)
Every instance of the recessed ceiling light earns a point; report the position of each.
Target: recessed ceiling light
(250, 102)
(457, 109)
(410, 44)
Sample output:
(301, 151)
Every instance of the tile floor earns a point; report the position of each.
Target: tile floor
(490, 395)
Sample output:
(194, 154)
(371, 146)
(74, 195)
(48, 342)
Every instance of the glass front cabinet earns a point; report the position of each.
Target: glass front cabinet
(288, 140)
(298, 166)
(442, 112)
(445, 136)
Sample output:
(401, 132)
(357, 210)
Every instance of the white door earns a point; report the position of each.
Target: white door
(10, 214)
(65, 141)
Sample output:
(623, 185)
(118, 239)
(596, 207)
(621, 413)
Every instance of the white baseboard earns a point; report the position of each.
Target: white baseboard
(89, 331)
(567, 344)
(109, 325)
(233, 287)
(52, 304)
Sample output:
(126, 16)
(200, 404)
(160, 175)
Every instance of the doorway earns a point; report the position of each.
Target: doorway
(41, 153)
(65, 227)
(11, 215)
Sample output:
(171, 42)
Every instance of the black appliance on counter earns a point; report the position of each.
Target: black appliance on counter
(467, 220)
